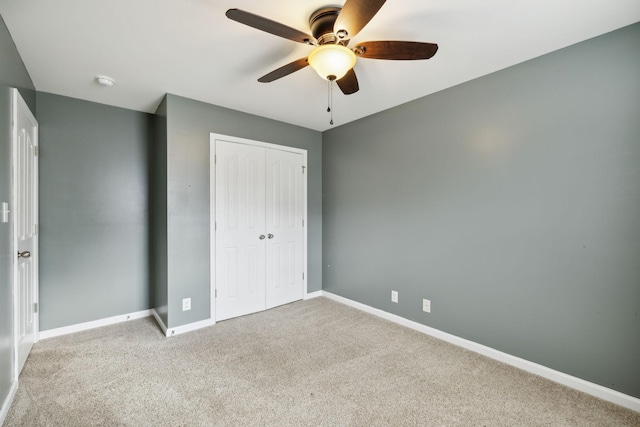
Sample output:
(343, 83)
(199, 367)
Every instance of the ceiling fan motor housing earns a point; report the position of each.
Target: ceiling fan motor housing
(321, 23)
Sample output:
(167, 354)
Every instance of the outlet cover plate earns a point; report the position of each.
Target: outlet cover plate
(186, 304)
(426, 305)
(394, 296)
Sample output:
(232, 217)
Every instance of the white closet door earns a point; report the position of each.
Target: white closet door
(284, 215)
(240, 229)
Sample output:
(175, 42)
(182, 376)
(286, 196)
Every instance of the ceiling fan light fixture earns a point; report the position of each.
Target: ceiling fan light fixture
(332, 61)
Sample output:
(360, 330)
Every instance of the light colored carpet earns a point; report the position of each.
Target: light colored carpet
(316, 363)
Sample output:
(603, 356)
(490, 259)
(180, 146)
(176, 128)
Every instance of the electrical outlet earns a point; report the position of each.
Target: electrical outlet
(426, 305)
(394, 296)
(186, 304)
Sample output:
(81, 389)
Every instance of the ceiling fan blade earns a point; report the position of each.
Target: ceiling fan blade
(355, 14)
(285, 70)
(397, 50)
(269, 26)
(349, 83)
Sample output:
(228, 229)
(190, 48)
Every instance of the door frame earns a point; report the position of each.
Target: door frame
(18, 102)
(212, 208)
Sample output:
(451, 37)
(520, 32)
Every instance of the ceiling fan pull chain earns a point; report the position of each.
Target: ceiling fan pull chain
(328, 96)
(330, 107)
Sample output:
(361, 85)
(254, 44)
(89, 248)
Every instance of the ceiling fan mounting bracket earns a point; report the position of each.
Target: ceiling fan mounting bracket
(321, 23)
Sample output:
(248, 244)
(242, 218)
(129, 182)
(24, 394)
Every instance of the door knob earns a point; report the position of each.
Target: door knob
(270, 236)
(24, 254)
(262, 237)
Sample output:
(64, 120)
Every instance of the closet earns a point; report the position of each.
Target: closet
(259, 253)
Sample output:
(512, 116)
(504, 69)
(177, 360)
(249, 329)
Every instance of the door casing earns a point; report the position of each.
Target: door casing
(212, 211)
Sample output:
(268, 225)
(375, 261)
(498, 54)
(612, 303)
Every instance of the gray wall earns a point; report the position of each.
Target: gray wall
(12, 74)
(512, 202)
(189, 124)
(158, 214)
(93, 210)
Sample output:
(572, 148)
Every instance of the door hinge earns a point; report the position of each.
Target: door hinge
(303, 168)
(35, 150)
(35, 307)
(303, 222)
(35, 228)
(302, 276)
(215, 159)
(216, 293)
(215, 226)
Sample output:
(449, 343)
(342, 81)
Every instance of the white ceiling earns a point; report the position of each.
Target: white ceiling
(189, 48)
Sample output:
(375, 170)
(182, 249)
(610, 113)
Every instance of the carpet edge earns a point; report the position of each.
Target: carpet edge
(576, 383)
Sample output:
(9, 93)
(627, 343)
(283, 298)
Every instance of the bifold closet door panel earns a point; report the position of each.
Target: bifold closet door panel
(240, 229)
(284, 216)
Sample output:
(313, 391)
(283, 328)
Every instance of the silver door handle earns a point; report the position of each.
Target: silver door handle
(24, 254)
(262, 237)
(270, 236)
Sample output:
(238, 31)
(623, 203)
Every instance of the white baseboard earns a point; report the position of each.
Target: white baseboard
(156, 316)
(189, 327)
(93, 324)
(315, 294)
(579, 384)
(172, 332)
(8, 401)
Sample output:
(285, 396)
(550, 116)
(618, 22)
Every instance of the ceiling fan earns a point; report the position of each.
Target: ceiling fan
(332, 29)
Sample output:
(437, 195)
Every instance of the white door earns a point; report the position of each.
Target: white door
(284, 267)
(240, 229)
(258, 227)
(25, 175)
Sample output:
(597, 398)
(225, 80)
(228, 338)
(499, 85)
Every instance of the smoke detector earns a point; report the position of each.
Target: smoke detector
(105, 81)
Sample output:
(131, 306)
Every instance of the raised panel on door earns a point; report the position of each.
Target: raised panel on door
(284, 215)
(240, 222)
